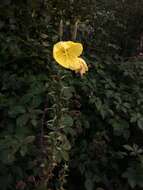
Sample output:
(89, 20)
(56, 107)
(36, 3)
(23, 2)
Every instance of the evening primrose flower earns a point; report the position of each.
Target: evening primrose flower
(67, 53)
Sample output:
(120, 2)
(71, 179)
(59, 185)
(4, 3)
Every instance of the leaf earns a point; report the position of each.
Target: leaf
(34, 122)
(134, 175)
(36, 101)
(67, 145)
(67, 120)
(67, 92)
(44, 36)
(29, 139)
(98, 104)
(22, 120)
(45, 44)
(23, 150)
(14, 111)
(7, 157)
(89, 185)
(65, 155)
(140, 123)
(120, 127)
(128, 147)
(22, 132)
(68, 130)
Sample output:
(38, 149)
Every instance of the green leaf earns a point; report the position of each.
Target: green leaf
(65, 155)
(67, 120)
(34, 122)
(134, 174)
(29, 139)
(22, 120)
(23, 150)
(89, 184)
(7, 157)
(67, 145)
(140, 123)
(67, 92)
(128, 147)
(14, 111)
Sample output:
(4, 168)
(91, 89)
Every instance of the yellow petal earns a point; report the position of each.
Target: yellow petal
(83, 66)
(74, 49)
(66, 53)
(83, 63)
(59, 54)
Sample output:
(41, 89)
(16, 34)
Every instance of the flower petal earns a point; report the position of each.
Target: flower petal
(74, 64)
(74, 49)
(83, 66)
(83, 63)
(59, 54)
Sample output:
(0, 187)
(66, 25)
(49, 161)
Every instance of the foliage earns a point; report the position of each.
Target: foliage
(55, 123)
(111, 113)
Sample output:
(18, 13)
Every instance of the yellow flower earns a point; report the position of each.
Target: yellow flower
(67, 55)
(83, 66)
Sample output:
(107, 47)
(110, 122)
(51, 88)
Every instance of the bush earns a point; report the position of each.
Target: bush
(54, 123)
(109, 144)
